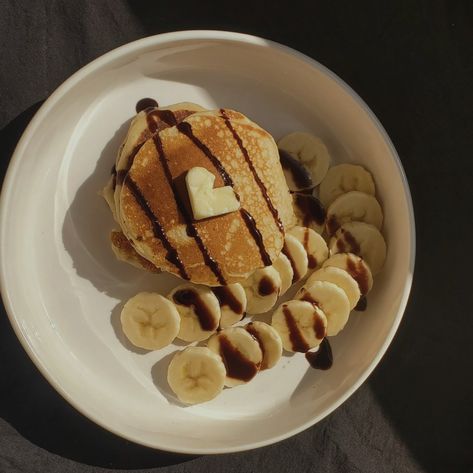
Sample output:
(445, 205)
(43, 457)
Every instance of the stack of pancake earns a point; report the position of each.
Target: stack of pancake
(148, 197)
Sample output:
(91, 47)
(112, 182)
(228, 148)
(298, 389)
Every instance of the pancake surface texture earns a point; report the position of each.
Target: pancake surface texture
(155, 215)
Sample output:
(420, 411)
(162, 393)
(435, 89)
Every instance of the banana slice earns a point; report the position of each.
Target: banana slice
(331, 299)
(355, 267)
(342, 279)
(199, 310)
(240, 352)
(150, 321)
(363, 240)
(269, 342)
(297, 256)
(232, 300)
(283, 266)
(196, 374)
(310, 151)
(309, 211)
(314, 245)
(354, 206)
(345, 178)
(262, 290)
(301, 325)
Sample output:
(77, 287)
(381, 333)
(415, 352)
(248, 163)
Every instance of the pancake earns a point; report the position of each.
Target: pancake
(156, 217)
(143, 126)
(124, 251)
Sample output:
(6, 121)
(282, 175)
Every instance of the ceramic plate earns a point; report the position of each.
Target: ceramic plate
(64, 289)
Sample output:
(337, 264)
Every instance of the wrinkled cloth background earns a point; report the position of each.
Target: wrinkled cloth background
(411, 61)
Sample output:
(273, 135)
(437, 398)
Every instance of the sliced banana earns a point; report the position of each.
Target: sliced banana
(309, 211)
(354, 206)
(283, 266)
(262, 290)
(232, 300)
(331, 299)
(240, 352)
(150, 321)
(196, 374)
(345, 178)
(310, 151)
(361, 239)
(355, 267)
(199, 310)
(297, 256)
(301, 325)
(341, 278)
(313, 244)
(269, 342)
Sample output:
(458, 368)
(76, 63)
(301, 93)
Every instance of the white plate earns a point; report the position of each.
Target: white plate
(63, 288)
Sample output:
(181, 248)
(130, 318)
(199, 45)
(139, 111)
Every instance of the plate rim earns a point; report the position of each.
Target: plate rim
(160, 40)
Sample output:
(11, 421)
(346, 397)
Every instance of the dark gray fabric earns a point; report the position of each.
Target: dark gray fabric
(411, 61)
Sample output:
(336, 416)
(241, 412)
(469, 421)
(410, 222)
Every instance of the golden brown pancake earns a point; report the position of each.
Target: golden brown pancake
(146, 124)
(124, 251)
(155, 216)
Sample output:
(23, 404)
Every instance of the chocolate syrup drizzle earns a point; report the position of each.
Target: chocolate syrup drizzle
(238, 366)
(322, 359)
(191, 229)
(250, 328)
(145, 103)
(172, 255)
(226, 298)
(295, 273)
(188, 298)
(258, 180)
(186, 129)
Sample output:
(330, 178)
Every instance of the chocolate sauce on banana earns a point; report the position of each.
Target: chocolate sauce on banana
(189, 298)
(296, 275)
(346, 238)
(172, 255)
(145, 103)
(362, 304)
(256, 234)
(191, 229)
(250, 328)
(238, 366)
(359, 273)
(226, 298)
(311, 209)
(321, 359)
(300, 175)
(295, 336)
(308, 298)
(312, 260)
(266, 287)
(258, 180)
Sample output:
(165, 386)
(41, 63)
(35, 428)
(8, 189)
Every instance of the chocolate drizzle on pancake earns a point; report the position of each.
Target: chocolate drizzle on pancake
(166, 116)
(172, 255)
(191, 229)
(186, 129)
(256, 234)
(258, 180)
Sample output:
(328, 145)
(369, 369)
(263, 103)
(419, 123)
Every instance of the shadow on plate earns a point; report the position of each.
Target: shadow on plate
(159, 373)
(33, 408)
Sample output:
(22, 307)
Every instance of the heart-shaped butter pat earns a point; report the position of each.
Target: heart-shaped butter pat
(205, 200)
